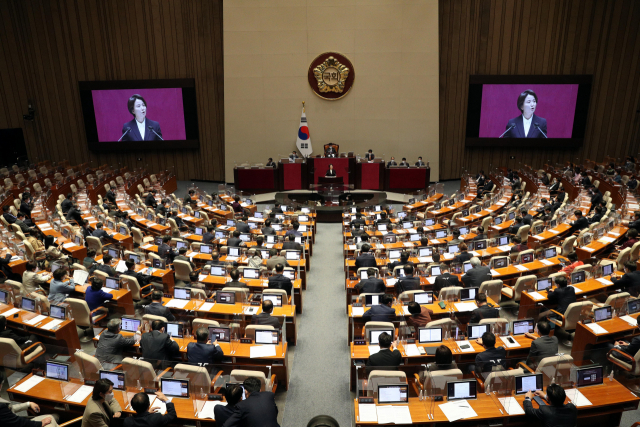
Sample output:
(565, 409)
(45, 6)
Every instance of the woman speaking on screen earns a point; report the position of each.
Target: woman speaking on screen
(140, 128)
(527, 124)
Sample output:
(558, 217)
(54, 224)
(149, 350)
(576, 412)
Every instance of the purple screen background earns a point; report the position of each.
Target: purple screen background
(163, 106)
(556, 103)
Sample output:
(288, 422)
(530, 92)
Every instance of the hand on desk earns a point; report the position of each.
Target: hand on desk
(161, 396)
(530, 335)
(479, 341)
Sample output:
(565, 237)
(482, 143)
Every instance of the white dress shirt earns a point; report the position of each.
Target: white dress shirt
(527, 124)
(142, 127)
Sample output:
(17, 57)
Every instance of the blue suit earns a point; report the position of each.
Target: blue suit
(379, 313)
(134, 133)
(204, 353)
(95, 299)
(534, 132)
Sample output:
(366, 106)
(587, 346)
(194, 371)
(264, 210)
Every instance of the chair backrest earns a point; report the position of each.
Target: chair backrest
(151, 317)
(440, 322)
(134, 286)
(635, 252)
(239, 375)
(77, 266)
(10, 354)
(139, 370)
(492, 288)
(567, 245)
(137, 235)
(101, 274)
(408, 295)
(449, 291)
(174, 227)
(282, 292)
(81, 312)
(525, 252)
(17, 287)
(552, 365)
(623, 257)
(198, 376)
(182, 270)
(522, 283)
(94, 243)
(498, 379)
(90, 365)
(439, 378)
(617, 300)
(373, 325)
(486, 222)
(198, 323)
(585, 267)
(381, 376)
(573, 313)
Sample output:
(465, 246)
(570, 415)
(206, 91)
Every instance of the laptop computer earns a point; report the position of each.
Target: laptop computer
(465, 389)
(174, 388)
(521, 327)
(374, 334)
(116, 377)
(57, 371)
(526, 383)
(475, 330)
(393, 393)
(590, 375)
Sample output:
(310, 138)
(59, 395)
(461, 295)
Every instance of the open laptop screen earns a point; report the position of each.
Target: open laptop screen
(393, 393)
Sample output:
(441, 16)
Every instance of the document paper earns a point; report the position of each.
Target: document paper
(29, 384)
(597, 329)
(390, 414)
(577, 398)
(457, 410)
(367, 413)
(511, 405)
(207, 409)
(81, 394)
(262, 351)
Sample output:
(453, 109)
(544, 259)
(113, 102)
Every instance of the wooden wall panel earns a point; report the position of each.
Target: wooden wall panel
(596, 37)
(49, 45)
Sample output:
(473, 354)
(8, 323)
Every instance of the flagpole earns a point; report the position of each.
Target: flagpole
(303, 106)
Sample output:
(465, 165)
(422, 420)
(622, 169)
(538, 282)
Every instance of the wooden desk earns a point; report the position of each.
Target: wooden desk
(448, 211)
(64, 336)
(585, 338)
(599, 246)
(609, 401)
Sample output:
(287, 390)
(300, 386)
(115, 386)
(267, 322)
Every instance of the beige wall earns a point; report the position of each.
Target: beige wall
(392, 107)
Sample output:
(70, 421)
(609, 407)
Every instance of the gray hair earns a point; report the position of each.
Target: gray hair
(475, 262)
(113, 325)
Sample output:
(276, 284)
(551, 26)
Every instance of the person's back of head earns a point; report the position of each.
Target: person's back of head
(462, 247)
(444, 355)
(518, 219)
(113, 326)
(365, 248)
(279, 268)
(408, 270)
(99, 225)
(578, 214)
(129, 264)
(435, 257)
(414, 308)
(556, 395)
(267, 223)
(234, 274)
(202, 335)
(267, 306)
(106, 259)
(157, 325)
(561, 281)
(295, 225)
(156, 296)
(3, 323)
(292, 238)
(481, 298)
(96, 283)
(475, 262)
(630, 266)
(516, 239)
(488, 340)
(404, 257)
(386, 299)
(182, 251)
(544, 328)
(364, 237)
(166, 239)
(251, 385)
(384, 340)
(273, 252)
(573, 257)
(194, 276)
(236, 233)
(233, 394)
(140, 403)
(31, 266)
(456, 233)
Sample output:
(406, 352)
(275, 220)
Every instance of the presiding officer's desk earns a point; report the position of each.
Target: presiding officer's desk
(239, 353)
(236, 312)
(608, 400)
(61, 334)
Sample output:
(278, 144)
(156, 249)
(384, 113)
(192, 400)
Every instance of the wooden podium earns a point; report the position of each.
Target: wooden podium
(330, 180)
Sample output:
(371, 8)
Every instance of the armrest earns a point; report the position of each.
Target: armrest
(555, 321)
(621, 355)
(215, 378)
(118, 367)
(27, 350)
(144, 287)
(480, 380)
(274, 383)
(417, 377)
(70, 422)
(162, 374)
(525, 367)
(99, 317)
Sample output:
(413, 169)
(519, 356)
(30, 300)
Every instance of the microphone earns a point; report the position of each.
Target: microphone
(538, 126)
(125, 132)
(153, 130)
(510, 127)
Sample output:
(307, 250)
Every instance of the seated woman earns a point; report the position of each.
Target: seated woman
(444, 360)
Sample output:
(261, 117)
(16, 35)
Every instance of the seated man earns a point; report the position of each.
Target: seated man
(105, 267)
(275, 258)
(23, 339)
(165, 250)
(420, 316)
(478, 274)
(630, 348)
(141, 278)
(409, 282)
(575, 262)
(370, 285)
(194, 281)
(145, 418)
(204, 351)
(89, 261)
(484, 311)
(464, 255)
(268, 230)
(6, 214)
(209, 236)
(235, 241)
(9, 418)
(295, 225)
(456, 240)
(182, 256)
(280, 281)
(630, 281)
(150, 200)
(365, 259)
(518, 246)
(94, 295)
(158, 346)
(491, 357)
(388, 356)
(265, 318)
(580, 222)
(235, 280)
(517, 225)
(445, 280)
(99, 232)
(383, 312)
(157, 309)
(232, 395)
(292, 244)
(404, 260)
(364, 240)
(258, 409)
(557, 414)
(243, 225)
(563, 296)
(545, 346)
(112, 344)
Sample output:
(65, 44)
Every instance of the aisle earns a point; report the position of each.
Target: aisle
(319, 381)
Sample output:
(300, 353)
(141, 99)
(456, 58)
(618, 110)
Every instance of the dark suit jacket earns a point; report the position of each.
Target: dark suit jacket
(330, 172)
(369, 156)
(9, 217)
(518, 131)
(563, 297)
(9, 419)
(204, 353)
(292, 245)
(157, 309)
(475, 276)
(74, 215)
(553, 416)
(156, 345)
(19, 337)
(463, 257)
(243, 227)
(385, 357)
(366, 260)
(542, 347)
(110, 347)
(632, 348)
(134, 133)
(280, 281)
(165, 250)
(408, 283)
(515, 227)
(630, 282)
(234, 242)
(371, 286)
(111, 197)
(579, 224)
(66, 205)
(150, 200)
(152, 420)
(484, 312)
(491, 357)
(100, 233)
(445, 280)
(265, 319)
(223, 412)
(379, 313)
(258, 410)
